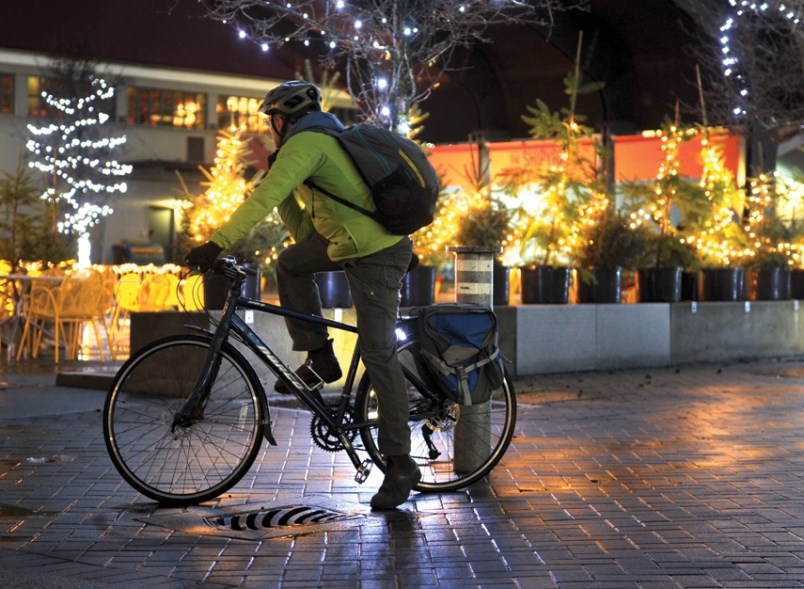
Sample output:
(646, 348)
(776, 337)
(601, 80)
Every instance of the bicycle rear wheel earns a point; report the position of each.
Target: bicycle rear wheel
(190, 463)
(454, 445)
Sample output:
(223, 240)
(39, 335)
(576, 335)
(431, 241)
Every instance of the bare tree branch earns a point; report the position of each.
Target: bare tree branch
(752, 59)
(394, 52)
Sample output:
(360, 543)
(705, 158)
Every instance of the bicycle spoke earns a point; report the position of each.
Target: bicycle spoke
(197, 460)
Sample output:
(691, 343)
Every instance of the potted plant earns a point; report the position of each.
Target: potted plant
(29, 226)
(713, 230)
(487, 224)
(772, 236)
(549, 221)
(607, 246)
(665, 205)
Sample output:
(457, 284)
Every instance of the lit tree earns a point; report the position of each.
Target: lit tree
(654, 204)
(716, 234)
(571, 192)
(74, 154)
(227, 185)
(775, 241)
(394, 52)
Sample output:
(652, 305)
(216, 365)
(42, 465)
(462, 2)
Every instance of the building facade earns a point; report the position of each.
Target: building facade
(171, 119)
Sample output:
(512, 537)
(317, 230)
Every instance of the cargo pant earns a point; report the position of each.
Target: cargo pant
(375, 282)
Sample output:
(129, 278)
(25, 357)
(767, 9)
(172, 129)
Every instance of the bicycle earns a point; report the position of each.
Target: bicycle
(185, 416)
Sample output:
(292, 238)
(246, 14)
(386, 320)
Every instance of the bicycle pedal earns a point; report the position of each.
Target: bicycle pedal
(317, 386)
(363, 471)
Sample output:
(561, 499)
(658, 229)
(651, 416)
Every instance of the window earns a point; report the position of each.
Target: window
(37, 106)
(166, 108)
(7, 93)
(61, 88)
(241, 112)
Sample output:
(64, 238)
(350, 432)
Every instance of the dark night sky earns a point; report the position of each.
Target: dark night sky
(635, 46)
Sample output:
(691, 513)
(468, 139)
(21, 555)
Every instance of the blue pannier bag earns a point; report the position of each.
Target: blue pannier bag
(459, 350)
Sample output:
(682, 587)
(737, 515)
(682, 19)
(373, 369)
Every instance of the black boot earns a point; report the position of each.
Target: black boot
(321, 361)
(401, 475)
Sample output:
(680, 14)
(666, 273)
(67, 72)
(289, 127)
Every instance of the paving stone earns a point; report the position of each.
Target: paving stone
(690, 479)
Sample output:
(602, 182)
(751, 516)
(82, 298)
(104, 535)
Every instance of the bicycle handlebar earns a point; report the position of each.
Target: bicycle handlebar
(229, 267)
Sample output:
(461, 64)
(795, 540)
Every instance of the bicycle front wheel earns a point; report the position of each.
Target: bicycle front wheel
(454, 445)
(191, 462)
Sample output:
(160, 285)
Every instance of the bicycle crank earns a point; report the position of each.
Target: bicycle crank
(327, 438)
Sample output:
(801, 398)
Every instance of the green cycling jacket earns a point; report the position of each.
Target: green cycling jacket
(319, 157)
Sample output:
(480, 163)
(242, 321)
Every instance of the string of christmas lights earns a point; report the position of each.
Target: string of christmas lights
(719, 242)
(393, 53)
(730, 59)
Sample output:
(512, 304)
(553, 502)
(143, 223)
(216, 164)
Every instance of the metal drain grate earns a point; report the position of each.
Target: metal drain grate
(279, 517)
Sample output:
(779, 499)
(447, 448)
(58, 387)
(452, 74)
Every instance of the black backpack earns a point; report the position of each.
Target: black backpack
(459, 352)
(403, 183)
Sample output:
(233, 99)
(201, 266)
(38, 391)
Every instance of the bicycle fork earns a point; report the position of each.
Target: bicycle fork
(193, 408)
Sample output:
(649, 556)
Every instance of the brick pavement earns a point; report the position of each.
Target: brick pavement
(673, 477)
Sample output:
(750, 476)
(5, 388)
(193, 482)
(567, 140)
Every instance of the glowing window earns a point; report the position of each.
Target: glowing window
(240, 112)
(155, 107)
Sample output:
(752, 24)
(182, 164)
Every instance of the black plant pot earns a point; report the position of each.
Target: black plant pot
(216, 287)
(605, 286)
(545, 285)
(418, 287)
(797, 284)
(502, 285)
(659, 285)
(689, 285)
(724, 284)
(773, 284)
(333, 288)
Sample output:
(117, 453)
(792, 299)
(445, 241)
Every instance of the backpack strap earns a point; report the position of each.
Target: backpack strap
(339, 199)
(335, 197)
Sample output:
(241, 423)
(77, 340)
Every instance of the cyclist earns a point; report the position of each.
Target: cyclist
(331, 236)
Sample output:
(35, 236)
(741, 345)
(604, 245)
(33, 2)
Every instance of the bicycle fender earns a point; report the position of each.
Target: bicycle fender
(267, 433)
(199, 329)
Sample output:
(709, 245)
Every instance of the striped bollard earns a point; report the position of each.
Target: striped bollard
(474, 283)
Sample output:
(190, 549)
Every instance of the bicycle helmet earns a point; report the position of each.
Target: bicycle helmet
(292, 99)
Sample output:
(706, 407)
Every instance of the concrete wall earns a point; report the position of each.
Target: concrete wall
(557, 338)
(728, 331)
(539, 339)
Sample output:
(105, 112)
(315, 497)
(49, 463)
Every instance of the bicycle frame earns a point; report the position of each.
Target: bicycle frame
(232, 325)
(219, 406)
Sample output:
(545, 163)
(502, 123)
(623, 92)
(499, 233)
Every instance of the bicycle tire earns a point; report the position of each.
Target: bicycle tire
(435, 425)
(183, 465)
